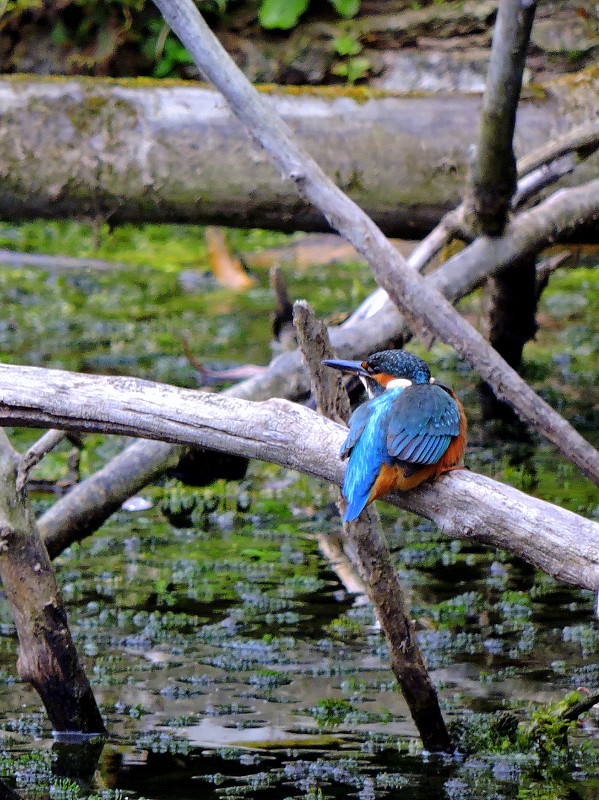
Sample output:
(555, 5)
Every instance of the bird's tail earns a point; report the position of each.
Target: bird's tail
(357, 485)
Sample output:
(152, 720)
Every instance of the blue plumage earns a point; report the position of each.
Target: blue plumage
(413, 425)
(366, 446)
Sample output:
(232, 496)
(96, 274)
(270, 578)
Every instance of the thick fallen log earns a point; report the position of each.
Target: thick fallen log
(173, 152)
(464, 505)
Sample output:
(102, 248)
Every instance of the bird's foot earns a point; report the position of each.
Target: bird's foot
(451, 469)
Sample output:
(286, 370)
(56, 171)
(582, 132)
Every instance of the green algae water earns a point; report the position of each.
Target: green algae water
(228, 658)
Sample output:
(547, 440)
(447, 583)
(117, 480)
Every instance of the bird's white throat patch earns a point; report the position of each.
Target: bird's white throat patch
(398, 383)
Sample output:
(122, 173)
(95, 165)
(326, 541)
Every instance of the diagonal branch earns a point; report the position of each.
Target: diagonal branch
(583, 140)
(48, 659)
(48, 441)
(426, 310)
(536, 170)
(80, 512)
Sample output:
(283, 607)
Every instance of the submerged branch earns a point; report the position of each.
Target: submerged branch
(48, 659)
(367, 542)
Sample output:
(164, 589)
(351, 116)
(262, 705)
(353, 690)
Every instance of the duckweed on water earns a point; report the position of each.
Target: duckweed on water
(220, 651)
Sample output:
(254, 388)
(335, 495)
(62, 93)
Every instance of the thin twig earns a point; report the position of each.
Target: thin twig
(539, 179)
(582, 140)
(57, 263)
(36, 452)
(546, 267)
(420, 257)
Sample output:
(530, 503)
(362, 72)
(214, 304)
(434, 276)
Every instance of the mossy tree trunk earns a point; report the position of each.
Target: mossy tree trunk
(511, 323)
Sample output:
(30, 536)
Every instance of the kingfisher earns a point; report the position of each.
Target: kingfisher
(411, 429)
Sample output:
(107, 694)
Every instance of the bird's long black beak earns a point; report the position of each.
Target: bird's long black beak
(355, 367)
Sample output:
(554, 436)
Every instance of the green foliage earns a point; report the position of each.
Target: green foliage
(485, 733)
(353, 67)
(347, 45)
(346, 8)
(165, 50)
(543, 735)
(331, 712)
(282, 14)
(285, 14)
(547, 733)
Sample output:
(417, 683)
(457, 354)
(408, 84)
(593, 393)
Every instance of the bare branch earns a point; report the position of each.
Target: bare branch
(494, 174)
(541, 178)
(36, 452)
(56, 263)
(582, 140)
(463, 505)
(546, 267)
(91, 502)
(536, 171)
(419, 259)
(327, 386)
(48, 659)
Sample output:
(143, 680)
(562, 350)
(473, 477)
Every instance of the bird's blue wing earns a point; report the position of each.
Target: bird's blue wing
(357, 422)
(423, 421)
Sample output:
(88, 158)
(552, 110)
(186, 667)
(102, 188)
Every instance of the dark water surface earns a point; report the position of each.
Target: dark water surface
(227, 657)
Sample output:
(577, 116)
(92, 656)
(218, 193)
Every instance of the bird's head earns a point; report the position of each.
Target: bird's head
(385, 370)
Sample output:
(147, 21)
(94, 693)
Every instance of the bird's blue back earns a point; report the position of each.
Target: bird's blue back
(413, 425)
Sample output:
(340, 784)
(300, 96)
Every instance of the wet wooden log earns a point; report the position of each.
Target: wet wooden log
(47, 659)
(173, 152)
(464, 505)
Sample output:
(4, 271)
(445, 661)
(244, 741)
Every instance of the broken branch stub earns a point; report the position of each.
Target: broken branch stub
(47, 658)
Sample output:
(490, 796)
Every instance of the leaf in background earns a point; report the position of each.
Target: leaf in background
(281, 13)
(347, 45)
(347, 8)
